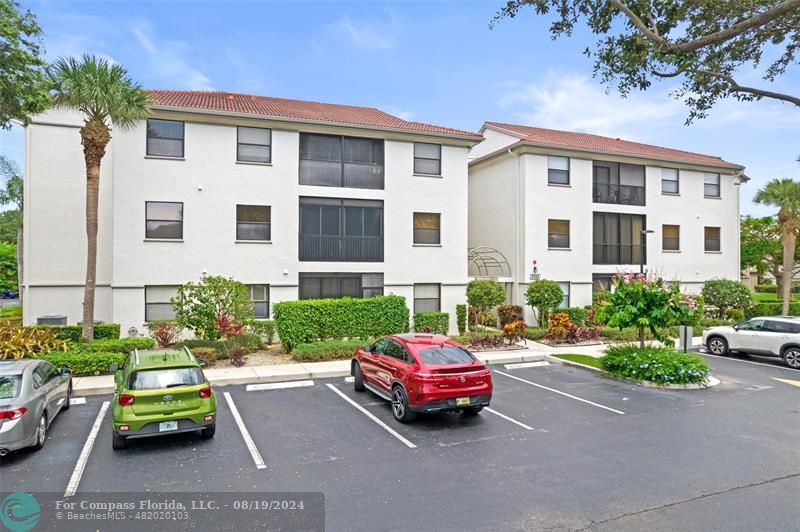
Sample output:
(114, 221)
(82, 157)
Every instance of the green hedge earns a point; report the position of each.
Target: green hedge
(464, 339)
(329, 350)
(250, 342)
(123, 345)
(662, 365)
(577, 315)
(772, 309)
(536, 333)
(72, 333)
(84, 363)
(767, 288)
(314, 320)
(461, 318)
(439, 322)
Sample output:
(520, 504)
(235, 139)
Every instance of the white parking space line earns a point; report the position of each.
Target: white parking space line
(80, 465)
(562, 393)
(248, 440)
(279, 385)
(369, 414)
(349, 379)
(514, 421)
(528, 364)
(77, 401)
(762, 364)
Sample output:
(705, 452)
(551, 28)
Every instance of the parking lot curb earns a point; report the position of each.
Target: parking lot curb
(566, 362)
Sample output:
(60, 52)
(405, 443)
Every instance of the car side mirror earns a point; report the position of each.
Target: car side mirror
(66, 371)
(735, 327)
(201, 363)
(368, 348)
(113, 368)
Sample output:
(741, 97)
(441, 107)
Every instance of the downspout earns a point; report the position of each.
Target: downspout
(518, 233)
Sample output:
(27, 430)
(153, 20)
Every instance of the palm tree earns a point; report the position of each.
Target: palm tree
(106, 96)
(785, 195)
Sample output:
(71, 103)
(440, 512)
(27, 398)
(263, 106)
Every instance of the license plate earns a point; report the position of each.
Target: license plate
(166, 426)
(462, 401)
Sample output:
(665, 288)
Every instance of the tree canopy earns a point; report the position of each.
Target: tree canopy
(23, 83)
(707, 45)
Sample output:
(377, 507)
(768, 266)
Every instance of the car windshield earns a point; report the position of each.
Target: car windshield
(9, 386)
(155, 379)
(445, 354)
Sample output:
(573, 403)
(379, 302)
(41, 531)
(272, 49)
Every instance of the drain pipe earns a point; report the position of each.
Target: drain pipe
(517, 232)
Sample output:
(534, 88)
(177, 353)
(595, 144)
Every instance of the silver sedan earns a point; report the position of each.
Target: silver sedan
(32, 393)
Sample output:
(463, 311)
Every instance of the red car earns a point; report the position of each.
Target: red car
(422, 373)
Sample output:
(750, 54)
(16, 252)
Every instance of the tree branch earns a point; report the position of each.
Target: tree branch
(735, 87)
(712, 38)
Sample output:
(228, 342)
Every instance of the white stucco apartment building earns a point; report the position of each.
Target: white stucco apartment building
(296, 199)
(577, 205)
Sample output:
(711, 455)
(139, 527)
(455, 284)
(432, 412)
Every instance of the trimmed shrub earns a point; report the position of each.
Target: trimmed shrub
(199, 306)
(508, 314)
(772, 309)
(515, 331)
(725, 294)
(263, 328)
(72, 333)
(195, 343)
(734, 314)
(18, 343)
(314, 320)
(661, 365)
(576, 314)
(248, 342)
(84, 363)
(329, 350)
(544, 296)
(714, 322)
(461, 318)
(466, 338)
(434, 322)
(205, 354)
(123, 345)
(485, 293)
(14, 311)
(767, 288)
(536, 333)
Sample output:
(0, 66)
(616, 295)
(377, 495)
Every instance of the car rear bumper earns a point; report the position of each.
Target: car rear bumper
(449, 404)
(15, 435)
(151, 428)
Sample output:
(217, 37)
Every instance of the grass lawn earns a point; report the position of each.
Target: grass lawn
(761, 297)
(582, 359)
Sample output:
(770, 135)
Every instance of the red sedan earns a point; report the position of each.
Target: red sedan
(421, 373)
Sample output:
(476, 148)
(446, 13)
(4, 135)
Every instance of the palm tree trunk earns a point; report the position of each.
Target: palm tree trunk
(789, 241)
(95, 136)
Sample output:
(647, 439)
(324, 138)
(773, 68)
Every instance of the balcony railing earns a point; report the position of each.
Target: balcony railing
(619, 254)
(338, 174)
(618, 194)
(341, 248)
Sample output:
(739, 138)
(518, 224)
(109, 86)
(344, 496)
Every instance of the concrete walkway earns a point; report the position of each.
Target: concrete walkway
(534, 351)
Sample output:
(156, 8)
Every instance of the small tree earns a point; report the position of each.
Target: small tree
(726, 294)
(544, 297)
(485, 294)
(644, 302)
(200, 306)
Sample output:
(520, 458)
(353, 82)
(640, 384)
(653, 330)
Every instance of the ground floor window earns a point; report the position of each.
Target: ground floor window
(601, 282)
(157, 304)
(259, 297)
(565, 285)
(336, 285)
(427, 298)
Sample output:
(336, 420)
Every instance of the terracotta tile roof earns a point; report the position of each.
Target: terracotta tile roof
(268, 106)
(589, 142)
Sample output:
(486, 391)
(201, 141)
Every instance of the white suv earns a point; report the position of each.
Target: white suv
(772, 335)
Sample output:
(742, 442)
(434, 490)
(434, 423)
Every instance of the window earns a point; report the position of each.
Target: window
(618, 183)
(333, 161)
(341, 230)
(558, 234)
(10, 385)
(670, 181)
(711, 187)
(712, 239)
(427, 297)
(557, 170)
(671, 237)
(427, 228)
(565, 287)
(157, 304)
(259, 297)
(158, 379)
(445, 354)
(253, 222)
(618, 239)
(427, 158)
(398, 352)
(783, 327)
(253, 144)
(751, 325)
(601, 282)
(164, 220)
(165, 138)
(336, 285)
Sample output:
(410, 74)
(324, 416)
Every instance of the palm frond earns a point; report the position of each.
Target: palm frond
(100, 89)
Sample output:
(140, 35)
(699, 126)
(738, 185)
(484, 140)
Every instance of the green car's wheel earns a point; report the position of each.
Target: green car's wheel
(208, 432)
(118, 442)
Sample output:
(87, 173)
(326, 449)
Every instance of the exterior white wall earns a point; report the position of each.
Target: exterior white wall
(493, 140)
(210, 183)
(493, 221)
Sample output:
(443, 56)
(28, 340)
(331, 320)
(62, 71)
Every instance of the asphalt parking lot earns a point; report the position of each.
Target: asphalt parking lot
(562, 448)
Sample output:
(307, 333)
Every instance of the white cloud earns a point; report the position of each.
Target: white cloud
(405, 115)
(167, 61)
(373, 35)
(248, 78)
(570, 101)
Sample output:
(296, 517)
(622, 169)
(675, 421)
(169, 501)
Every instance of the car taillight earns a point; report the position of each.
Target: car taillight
(205, 393)
(425, 378)
(126, 399)
(13, 414)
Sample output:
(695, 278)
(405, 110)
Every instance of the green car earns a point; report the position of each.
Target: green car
(161, 392)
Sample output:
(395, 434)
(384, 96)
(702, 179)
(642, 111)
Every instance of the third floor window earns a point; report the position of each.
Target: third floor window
(618, 183)
(335, 161)
(165, 138)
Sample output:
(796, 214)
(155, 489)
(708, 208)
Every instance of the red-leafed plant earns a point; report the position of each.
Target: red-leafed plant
(165, 333)
(227, 326)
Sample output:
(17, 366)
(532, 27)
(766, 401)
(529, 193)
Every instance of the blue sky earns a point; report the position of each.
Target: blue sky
(435, 62)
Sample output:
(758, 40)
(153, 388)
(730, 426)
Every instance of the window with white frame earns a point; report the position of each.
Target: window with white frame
(165, 138)
(557, 170)
(253, 144)
(427, 297)
(253, 222)
(157, 302)
(711, 185)
(427, 158)
(259, 297)
(670, 181)
(163, 220)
